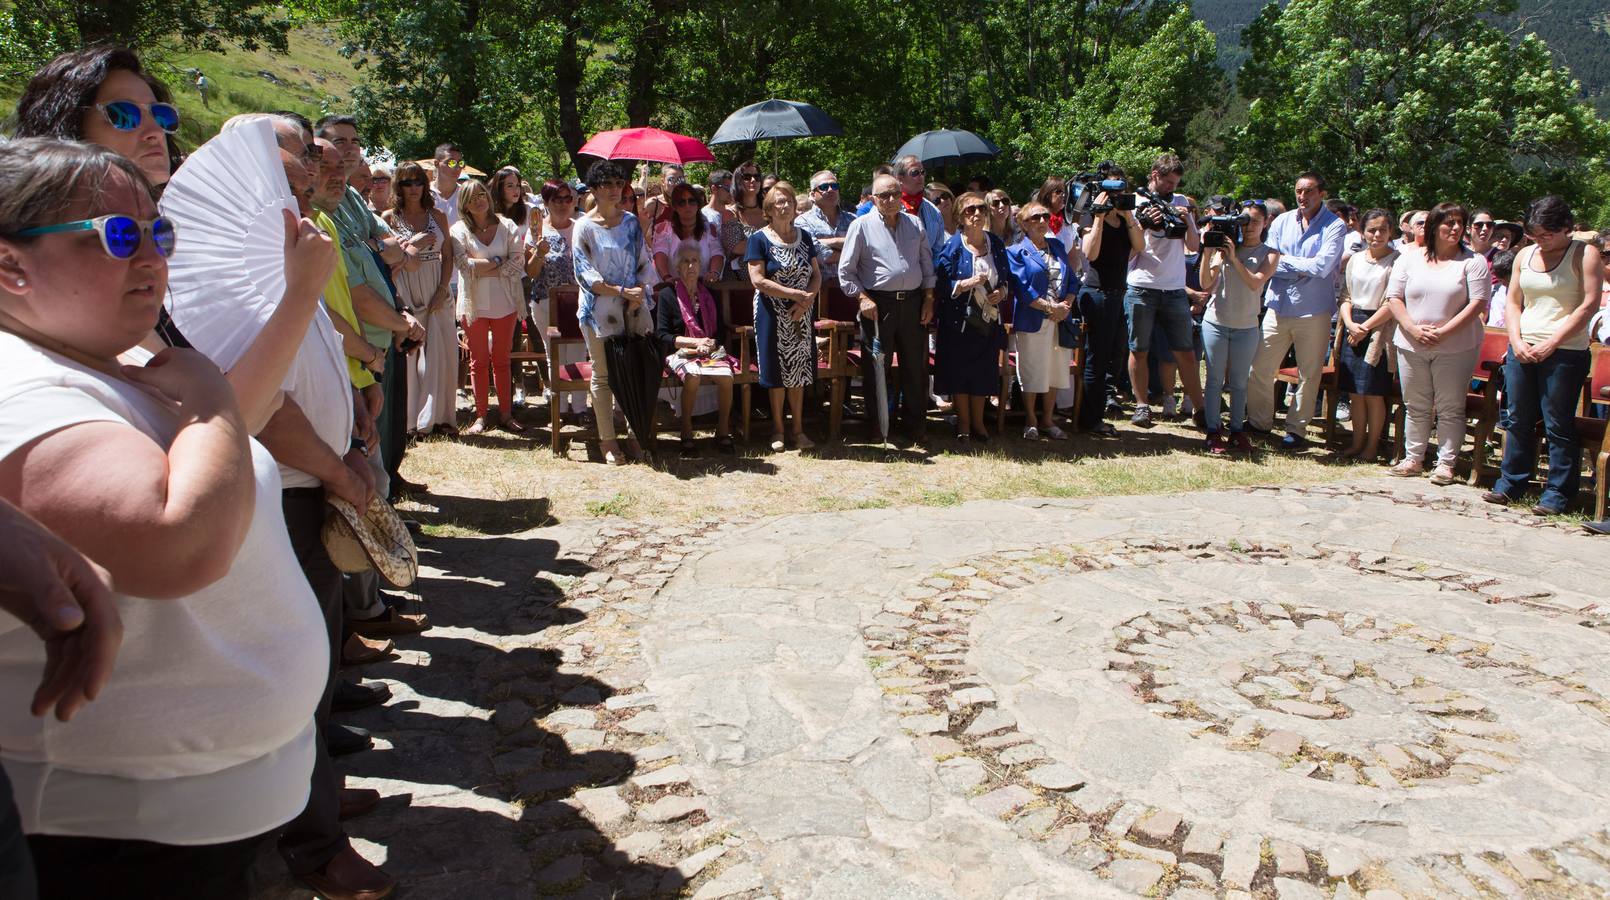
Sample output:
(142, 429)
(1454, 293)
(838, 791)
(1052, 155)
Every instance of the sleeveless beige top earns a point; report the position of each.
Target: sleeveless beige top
(1550, 297)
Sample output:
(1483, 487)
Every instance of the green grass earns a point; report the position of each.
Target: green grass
(619, 505)
(311, 78)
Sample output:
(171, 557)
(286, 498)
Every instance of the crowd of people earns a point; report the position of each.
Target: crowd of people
(216, 732)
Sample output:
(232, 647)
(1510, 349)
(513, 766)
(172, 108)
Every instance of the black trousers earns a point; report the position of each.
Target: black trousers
(314, 838)
(1106, 351)
(16, 863)
(900, 331)
(393, 422)
(74, 868)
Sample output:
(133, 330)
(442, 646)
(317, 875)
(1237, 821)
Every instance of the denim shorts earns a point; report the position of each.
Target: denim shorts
(1170, 310)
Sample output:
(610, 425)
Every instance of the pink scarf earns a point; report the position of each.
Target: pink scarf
(700, 324)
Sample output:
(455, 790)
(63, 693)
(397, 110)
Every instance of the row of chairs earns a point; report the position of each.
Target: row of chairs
(840, 358)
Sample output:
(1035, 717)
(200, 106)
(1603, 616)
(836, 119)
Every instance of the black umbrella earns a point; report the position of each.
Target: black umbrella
(947, 148)
(635, 367)
(775, 120)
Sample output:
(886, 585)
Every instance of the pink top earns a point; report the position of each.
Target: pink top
(1435, 295)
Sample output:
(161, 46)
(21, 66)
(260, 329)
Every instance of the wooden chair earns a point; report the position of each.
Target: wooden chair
(839, 313)
(736, 301)
(1593, 431)
(1329, 383)
(1481, 403)
(564, 329)
(535, 354)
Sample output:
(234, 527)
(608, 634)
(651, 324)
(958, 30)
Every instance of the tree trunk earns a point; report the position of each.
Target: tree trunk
(106, 22)
(642, 97)
(567, 76)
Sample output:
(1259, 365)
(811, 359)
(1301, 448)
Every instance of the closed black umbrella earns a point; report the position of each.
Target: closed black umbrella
(948, 147)
(775, 120)
(635, 367)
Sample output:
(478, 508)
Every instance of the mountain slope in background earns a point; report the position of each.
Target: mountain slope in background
(1578, 31)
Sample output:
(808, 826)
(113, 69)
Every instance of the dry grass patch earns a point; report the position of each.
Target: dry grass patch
(500, 484)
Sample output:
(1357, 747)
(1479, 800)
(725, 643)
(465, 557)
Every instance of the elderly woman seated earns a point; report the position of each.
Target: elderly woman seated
(688, 324)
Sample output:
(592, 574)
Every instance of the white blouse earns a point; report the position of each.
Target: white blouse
(489, 296)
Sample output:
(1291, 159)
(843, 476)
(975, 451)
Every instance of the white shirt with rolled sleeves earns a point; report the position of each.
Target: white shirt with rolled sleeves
(878, 258)
(1160, 264)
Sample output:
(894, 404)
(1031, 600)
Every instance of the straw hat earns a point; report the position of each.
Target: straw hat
(376, 540)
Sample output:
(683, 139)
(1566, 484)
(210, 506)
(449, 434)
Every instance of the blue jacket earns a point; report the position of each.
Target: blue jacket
(1031, 281)
(955, 263)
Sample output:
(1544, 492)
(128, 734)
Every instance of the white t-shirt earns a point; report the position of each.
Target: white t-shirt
(1160, 265)
(319, 384)
(448, 205)
(1436, 295)
(1234, 304)
(204, 734)
(666, 241)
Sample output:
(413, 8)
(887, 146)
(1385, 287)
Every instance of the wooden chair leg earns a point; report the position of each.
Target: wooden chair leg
(555, 443)
(744, 398)
(1601, 488)
(835, 412)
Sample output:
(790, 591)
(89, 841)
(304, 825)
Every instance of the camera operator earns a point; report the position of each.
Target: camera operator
(1156, 290)
(1302, 302)
(1113, 239)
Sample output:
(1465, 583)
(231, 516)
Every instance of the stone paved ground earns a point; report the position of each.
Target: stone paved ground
(1348, 691)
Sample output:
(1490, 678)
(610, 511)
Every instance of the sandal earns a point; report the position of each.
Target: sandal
(724, 444)
(689, 448)
(777, 443)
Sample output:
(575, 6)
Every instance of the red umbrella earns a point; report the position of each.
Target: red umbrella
(649, 144)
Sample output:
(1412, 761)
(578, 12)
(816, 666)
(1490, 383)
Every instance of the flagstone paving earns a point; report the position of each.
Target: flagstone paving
(1344, 691)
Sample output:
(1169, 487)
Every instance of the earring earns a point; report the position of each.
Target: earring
(22, 282)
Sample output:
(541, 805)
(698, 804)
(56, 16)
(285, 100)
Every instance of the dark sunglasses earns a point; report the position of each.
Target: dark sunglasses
(980, 210)
(826, 186)
(997, 202)
(126, 115)
(411, 183)
(564, 198)
(749, 176)
(887, 195)
(1481, 224)
(913, 173)
(1254, 204)
(1040, 217)
(688, 201)
(120, 236)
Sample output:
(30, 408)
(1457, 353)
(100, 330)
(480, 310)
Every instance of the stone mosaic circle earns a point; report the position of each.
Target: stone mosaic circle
(1355, 728)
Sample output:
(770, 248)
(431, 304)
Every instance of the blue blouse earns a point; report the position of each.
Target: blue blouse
(1031, 281)
(955, 263)
(617, 256)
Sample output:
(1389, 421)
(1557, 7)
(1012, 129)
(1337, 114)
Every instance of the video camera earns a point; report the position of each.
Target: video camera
(1086, 185)
(1222, 226)
(1159, 214)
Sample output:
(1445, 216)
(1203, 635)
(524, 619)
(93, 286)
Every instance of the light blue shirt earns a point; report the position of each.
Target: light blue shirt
(1304, 284)
(617, 256)
(933, 225)
(814, 222)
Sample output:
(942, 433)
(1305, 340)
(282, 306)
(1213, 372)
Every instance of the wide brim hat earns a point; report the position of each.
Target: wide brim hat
(377, 540)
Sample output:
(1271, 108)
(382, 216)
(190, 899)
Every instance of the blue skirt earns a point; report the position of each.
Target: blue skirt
(1357, 376)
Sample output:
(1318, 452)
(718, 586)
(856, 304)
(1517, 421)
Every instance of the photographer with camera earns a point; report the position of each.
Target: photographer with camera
(1235, 267)
(1156, 289)
(1113, 239)
(1302, 301)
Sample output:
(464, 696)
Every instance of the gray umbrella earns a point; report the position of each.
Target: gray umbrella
(880, 383)
(775, 120)
(948, 148)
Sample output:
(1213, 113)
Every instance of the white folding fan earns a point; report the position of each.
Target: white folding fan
(227, 274)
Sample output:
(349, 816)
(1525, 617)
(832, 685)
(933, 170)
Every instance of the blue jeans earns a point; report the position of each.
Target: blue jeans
(1170, 309)
(1229, 361)
(1548, 389)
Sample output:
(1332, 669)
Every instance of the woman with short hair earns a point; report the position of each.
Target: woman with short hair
(423, 282)
(615, 273)
(787, 276)
(1554, 290)
(202, 743)
(745, 215)
(688, 323)
(1234, 276)
(941, 196)
(550, 265)
(972, 279)
(380, 187)
(1044, 287)
(1437, 293)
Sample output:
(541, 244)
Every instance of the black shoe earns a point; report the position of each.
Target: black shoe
(1142, 417)
(345, 739)
(1597, 527)
(1541, 510)
(1105, 430)
(1293, 443)
(1114, 409)
(1200, 418)
(351, 695)
(1496, 498)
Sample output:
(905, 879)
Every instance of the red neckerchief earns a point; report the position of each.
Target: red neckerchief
(913, 203)
(1057, 222)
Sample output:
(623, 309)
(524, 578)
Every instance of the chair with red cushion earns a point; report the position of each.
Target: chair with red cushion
(563, 328)
(738, 315)
(1592, 430)
(1481, 403)
(1329, 384)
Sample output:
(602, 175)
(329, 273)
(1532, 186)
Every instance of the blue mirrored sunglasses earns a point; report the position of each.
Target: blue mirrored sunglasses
(120, 235)
(126, 115)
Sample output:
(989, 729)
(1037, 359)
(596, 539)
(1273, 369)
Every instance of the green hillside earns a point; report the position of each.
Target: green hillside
(312, 78)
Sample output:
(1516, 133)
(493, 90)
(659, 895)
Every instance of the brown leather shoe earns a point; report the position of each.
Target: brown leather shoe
(390, 622)
(357, 801)
(350, 877)
(359, 650)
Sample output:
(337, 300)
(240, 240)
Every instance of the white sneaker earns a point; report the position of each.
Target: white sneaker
(1169, 407)
(1186, 407)
(1031, 433)
(1344, 411)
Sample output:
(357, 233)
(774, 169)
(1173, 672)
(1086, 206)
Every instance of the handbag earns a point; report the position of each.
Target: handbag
(1069, 334)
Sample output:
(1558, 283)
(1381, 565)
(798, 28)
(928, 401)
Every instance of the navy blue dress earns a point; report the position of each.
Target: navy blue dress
(786, 348)
(967, 357)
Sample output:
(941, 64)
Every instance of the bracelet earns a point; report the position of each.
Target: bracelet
(358, 445)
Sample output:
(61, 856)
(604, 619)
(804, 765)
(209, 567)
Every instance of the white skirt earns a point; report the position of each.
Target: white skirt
(1042, 365)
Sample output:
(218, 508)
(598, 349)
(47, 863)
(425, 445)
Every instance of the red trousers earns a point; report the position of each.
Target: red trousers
(488, 362)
